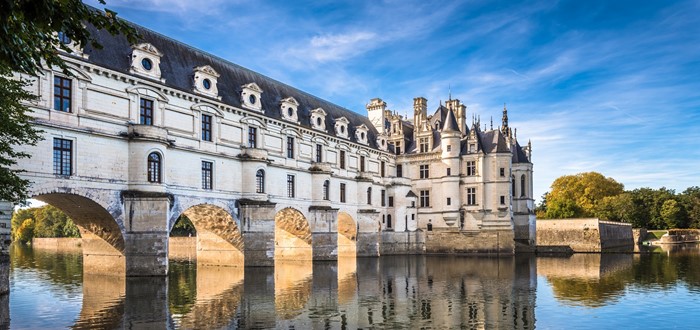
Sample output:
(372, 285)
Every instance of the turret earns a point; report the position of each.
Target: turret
(460, 111)
(450, 136)
(376, 109)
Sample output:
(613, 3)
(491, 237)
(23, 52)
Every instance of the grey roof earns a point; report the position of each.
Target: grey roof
(177, 68)
(519, 155)
(450, 122)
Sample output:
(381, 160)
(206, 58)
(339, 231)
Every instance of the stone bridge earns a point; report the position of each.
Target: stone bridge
(127, 231)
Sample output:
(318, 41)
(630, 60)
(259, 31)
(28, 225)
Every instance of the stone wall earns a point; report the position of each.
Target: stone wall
(582, 235)
(484, 242)
(57, 244)
(407, 242)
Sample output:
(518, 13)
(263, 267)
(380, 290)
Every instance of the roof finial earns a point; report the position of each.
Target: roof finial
(504, 124)
(449, 88)
(492, 122)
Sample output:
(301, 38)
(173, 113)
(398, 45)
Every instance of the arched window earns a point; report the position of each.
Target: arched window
(522, 186)
(512, 187)
(260, 182)
(326, 190)
(369, 196)
(154, 167)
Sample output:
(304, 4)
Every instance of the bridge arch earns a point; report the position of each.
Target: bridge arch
(347, 236)
(98, 215)
(219, 238)
(293, 238)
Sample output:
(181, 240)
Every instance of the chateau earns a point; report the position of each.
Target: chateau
(139, 134)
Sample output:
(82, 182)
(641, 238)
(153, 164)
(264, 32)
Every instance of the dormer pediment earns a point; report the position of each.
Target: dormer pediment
(145, 61)
(147, 48)
(382, 142)
(205, 81)
(361, 133)
(288, 109)
(253, 86)
(341, 127)
(318, 119)
(250, 96)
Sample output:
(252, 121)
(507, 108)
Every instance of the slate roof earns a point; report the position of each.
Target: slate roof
(519, 155)
(177, 68)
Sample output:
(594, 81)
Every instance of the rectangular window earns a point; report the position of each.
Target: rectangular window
(342, 159)
(382, 169)
(206, 127)
(449, 147)
(449, 171)
(398, 148)
(502, 171)
(62, 90)
(424, 171)
(503, 200)
(207, 175)
(425, 198)
(449, 201)
(62, 156)
(146, 112)
(383, 197)
(391, 201)
(423, 142)
(399, 171)
(252, 137)
(319, 151)
(471, 168)
(342, 193)
(471, 196)
(290, 147)
(362, 163)
(290, 185)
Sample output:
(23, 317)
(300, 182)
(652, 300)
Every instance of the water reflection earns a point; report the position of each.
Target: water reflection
(387, 292)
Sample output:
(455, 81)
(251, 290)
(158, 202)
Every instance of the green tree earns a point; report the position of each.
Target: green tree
(52, 222)
(690, 199)
(25, 232)
(619, 208)
(183, 227)
(574, 196)
(29, 40)
(18, 217)
(541, 208)
(671, 213)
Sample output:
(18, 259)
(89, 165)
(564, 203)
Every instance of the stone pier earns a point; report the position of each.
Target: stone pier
(258, 227)
(146, 237)
(5, 240)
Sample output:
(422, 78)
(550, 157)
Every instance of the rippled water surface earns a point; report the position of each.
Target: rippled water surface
(585, 291)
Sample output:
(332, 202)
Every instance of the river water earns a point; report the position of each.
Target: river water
(659, 290)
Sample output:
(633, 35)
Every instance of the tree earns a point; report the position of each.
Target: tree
(52, 222)
(25, 232)
(541, 208)
(575, 196)
(29, 42)
(671, 213)
(619, 208)
(690, 199)
(183, 227)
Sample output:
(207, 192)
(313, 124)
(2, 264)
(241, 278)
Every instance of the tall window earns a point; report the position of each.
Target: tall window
(522, 186)
(399, 171)
(319, 152)
(290, 147)
(503, 200)
(425, 198)
(146, 113)
(62, 89)
(424, 171)
(512, 185)
(252, 137)
(449, 201)
(326, 190)
(207, 175)
(154, 167)
(397, 148)
(260, 182)
(382, 169)
(362, 163)
(62, 156)
(502, 171)
(290, 185)
(471, 167)
(369, 196)
(449, 171)
(391, 201)
(342, 159)
(471, 196)
(383, 197)
(423, 143)
(206, 127)
(342, 193)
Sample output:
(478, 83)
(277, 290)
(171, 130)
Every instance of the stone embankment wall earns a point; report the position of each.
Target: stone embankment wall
(484, 242)
(403, 242)
(182, 248)
(57, 244)
(582, 235)
(675, 236)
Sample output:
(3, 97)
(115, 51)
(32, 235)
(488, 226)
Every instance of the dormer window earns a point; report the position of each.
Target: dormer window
(288, 109)
(318, 119)
(204, 81)
(341, 127)
(145, 61)
(66, 42)
(381, 142)
(361, 134)
(250, 96)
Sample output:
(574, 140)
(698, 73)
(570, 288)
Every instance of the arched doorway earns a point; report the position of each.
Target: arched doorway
(292, 236)
(218, 239)
(102, 237)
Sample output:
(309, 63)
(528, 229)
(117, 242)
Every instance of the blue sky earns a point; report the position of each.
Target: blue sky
(607, 86)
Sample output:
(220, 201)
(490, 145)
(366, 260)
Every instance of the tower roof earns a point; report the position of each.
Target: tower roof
(450, 122)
